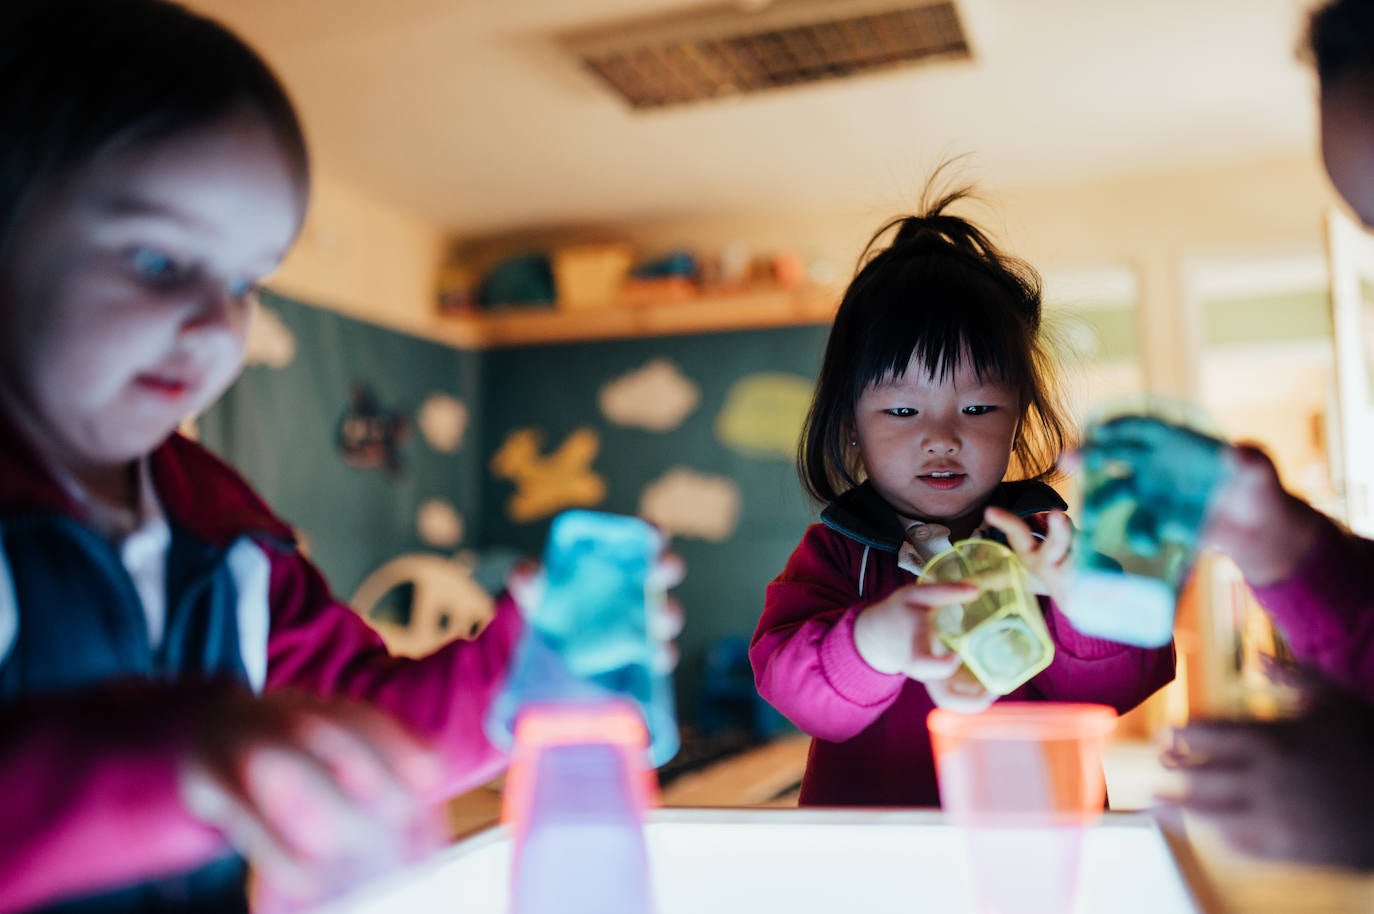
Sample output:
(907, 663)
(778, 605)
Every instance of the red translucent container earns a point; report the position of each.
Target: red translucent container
(1024, 781)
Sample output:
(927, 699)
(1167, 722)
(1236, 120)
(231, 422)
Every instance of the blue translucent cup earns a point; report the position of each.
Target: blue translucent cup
(1147, 481)
(590, 637)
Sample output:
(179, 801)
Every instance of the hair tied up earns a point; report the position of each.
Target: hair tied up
(939, 227)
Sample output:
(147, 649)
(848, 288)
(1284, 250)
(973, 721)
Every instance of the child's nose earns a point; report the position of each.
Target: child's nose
(941, 442)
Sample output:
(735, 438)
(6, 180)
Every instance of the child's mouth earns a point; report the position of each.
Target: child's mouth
(171, 388)
(942, 480)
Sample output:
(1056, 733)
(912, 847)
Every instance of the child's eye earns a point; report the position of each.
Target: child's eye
(902, 411)
(153, 266)
(978, 410)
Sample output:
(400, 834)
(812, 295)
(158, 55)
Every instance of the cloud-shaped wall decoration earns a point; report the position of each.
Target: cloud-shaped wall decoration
(687, 503)
(443, 420)
(439, 524)
(657, 397)
(763, 414)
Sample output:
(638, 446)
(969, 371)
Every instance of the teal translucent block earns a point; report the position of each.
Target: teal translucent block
(1146, 486)
(590, 637)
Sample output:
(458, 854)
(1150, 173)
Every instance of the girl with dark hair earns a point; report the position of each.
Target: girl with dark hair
(935, 418)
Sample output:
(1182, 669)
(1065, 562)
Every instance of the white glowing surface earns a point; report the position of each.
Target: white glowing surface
(800, 861)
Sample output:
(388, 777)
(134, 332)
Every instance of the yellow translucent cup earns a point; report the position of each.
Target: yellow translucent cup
(1000, 634)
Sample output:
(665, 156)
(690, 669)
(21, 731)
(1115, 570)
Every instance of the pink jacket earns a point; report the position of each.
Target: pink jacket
(870, 745)
(1325, 609)
(89, 779)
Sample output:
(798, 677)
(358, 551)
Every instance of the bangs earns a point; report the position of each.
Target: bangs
(940, 314)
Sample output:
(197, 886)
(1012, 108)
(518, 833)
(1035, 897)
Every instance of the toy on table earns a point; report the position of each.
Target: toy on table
(1000, 633)
(1146, 484)
(586, 711)
(1023, 781)
(575, 797)
(589, 639)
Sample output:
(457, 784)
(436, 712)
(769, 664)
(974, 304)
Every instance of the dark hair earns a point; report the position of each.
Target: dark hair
(941, 291)
(87, 77)
(1340, 39)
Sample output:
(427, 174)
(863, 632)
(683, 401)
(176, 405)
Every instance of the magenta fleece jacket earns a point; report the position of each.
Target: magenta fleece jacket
(870, 746)
(90, 779)
(1325, 609)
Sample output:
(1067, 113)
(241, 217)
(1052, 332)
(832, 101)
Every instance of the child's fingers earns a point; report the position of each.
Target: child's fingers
(302, 801)
(668, 571)
(1216, 744)
(211, 801)
(1058, 539)
(667, 623)
(933, 596)
(930, 668)
(373, 757)
(931, 658)
(961, 692)
(665, 658)
(1018, 534)
(1214, 791)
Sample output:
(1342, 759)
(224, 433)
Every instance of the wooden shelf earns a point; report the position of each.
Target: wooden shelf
(742, 311)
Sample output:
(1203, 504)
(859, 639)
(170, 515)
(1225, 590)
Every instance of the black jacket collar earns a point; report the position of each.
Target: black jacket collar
(863, 516)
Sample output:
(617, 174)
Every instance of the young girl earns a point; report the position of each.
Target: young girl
(933, 390)
(165, 649)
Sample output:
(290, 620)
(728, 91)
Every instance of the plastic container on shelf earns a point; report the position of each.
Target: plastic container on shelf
(591, 276)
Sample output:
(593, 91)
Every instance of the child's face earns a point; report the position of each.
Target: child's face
(126, 302)
(936, 449)
(1348, 142)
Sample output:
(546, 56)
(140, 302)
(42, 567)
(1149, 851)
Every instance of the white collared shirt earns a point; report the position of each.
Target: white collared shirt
(143, 539)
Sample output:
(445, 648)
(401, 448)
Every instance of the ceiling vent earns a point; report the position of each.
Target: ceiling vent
(732, 50)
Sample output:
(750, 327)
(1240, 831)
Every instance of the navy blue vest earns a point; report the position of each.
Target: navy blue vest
(101, 634)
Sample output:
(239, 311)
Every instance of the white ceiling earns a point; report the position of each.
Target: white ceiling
(466, 113)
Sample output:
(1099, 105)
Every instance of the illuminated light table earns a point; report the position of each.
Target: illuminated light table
(722, 861)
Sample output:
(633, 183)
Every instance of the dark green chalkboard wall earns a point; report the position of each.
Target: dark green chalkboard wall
(279, 426)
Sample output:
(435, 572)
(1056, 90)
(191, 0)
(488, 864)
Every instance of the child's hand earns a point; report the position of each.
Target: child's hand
(1292, 790)
(961, 692)
(897, 635)
(309, 791)
(1252, 519)
(1045, 560)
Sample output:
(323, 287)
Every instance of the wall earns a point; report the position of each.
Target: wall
(280, 426)
(364, 258)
